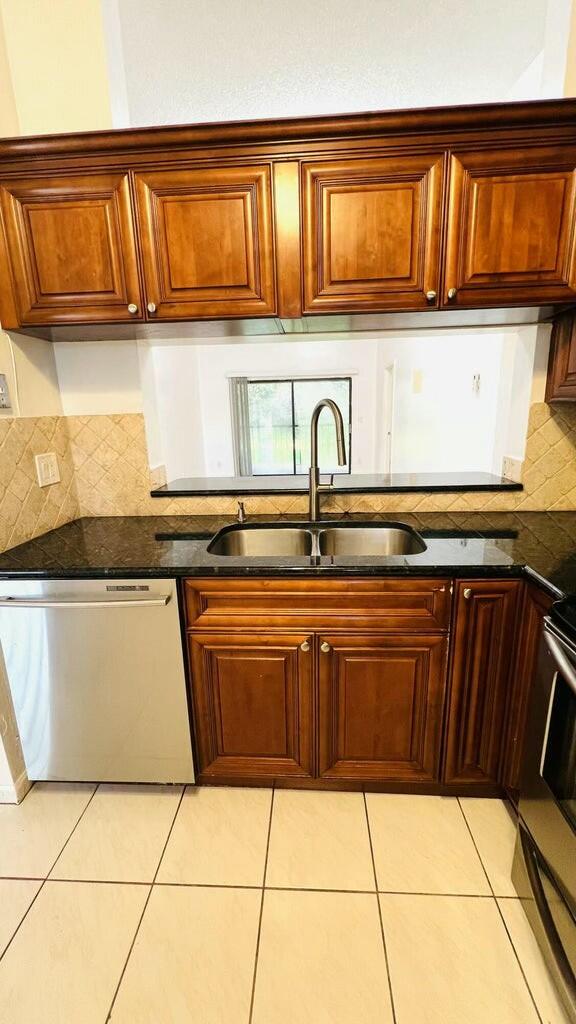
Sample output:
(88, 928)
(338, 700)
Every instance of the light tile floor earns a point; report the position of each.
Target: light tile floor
(150, 905)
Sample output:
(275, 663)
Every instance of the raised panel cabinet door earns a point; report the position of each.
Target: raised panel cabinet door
(207, 242)
(480, 678)
(380, 706)
(511, 234)
(71, 250)
(535, 605)
(561, 379)
(253, 704)
(371, 230)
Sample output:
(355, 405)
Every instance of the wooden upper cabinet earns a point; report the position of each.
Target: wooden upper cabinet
(70, 250)
(561, 379)
(207, 241)
(371, 231)
(480, 678)
(511, 234)
(380, 706)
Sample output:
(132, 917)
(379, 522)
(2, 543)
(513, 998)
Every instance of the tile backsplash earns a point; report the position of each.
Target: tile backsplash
(27, 510)
(104, 471)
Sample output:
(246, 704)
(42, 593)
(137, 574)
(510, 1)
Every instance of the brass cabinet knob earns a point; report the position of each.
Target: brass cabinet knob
(467, 593)
(325, 648)
(451, 293)
(132, 308)
(305, 646)
(431, 295)
(151, 307)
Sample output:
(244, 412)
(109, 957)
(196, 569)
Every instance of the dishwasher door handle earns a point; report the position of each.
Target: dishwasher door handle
(48, 602)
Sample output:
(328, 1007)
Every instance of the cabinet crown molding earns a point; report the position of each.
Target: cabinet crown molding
(534, 114)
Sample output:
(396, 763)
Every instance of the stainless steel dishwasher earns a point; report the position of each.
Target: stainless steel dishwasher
(96, 673)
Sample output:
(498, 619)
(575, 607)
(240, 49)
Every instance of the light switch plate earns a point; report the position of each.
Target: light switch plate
(512, 468)
(47, 469)
(5, 402)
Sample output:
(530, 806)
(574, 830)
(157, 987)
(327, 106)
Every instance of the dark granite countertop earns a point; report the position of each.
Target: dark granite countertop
(340, 483)
(541, 545)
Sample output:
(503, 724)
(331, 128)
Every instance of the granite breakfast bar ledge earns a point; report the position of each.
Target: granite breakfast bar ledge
(339, 483)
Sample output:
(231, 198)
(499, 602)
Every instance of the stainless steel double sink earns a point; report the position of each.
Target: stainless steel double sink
(378, 540)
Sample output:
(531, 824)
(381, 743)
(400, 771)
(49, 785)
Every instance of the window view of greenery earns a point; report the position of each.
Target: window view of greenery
(280, 413)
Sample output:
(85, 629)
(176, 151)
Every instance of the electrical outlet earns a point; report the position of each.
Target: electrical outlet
(47, 469)
(5, 402)
(512, 468)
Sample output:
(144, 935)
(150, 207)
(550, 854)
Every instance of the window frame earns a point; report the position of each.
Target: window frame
(292, 381)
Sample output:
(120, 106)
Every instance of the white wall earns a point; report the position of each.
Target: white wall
(13, 779)
(8, 114)
(56, 56)
(217, 60)
(7, 789)
(97, 378)
(30, 369)
(441, 424)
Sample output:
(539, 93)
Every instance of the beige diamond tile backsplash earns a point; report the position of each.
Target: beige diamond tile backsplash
(27, 510)
(104, 469)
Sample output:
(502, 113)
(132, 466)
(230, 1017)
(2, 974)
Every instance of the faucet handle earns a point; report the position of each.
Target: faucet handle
(241, 512)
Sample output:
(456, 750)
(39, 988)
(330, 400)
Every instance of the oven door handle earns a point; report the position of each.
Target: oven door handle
(564, 975)
(562, 661)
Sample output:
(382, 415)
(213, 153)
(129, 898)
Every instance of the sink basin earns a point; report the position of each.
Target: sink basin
(258, 541)
(378, 541)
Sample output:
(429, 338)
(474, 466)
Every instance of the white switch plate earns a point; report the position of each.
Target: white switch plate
(5, 402)
(47, 469)
(512, 468)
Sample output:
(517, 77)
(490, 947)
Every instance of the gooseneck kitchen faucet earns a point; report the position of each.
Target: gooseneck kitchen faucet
(316, 488)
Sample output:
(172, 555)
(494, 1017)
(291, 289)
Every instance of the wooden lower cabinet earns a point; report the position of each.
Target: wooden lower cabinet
(535, 605)
(482, 651)
(380, 706)
(253, 705)
(344, 705)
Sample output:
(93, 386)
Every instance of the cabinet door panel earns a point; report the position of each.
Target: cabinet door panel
(253, 704)
(381, 706)
(511, 233)
(371, 233)
(561, 379)
(207, 241)
(483, 646)
(72, 248)
(535, 605)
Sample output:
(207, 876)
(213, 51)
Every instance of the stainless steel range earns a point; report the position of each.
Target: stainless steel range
(544, 870)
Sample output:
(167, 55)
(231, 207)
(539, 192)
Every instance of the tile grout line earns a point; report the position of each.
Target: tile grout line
(146, 902)
(47, 876)
(386, 960)
(253, 992)
(257, 888)
(501, 915)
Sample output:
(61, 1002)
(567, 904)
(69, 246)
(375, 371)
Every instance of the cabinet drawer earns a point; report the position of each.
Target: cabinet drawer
(379, 604)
